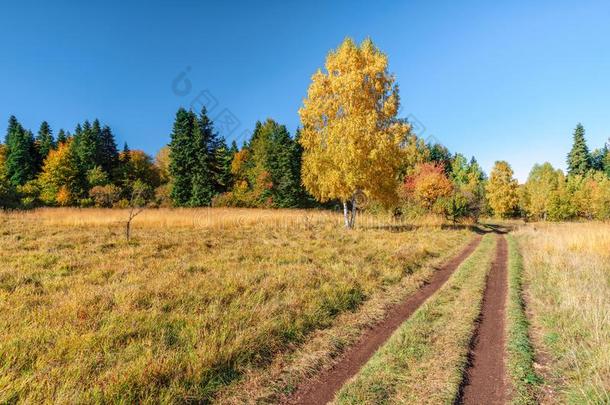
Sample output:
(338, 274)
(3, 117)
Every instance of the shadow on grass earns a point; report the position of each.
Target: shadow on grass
(480, 229)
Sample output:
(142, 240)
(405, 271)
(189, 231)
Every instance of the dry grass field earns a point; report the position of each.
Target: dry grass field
(195, 300)
(567, 291)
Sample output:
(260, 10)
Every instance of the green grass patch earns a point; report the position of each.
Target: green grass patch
(525, 383)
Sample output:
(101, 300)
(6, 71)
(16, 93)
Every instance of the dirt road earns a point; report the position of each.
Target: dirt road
(322, 389)
(484, 382)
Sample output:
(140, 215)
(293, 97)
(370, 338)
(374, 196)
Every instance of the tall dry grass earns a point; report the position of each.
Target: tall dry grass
(567, 275)
(192, 302)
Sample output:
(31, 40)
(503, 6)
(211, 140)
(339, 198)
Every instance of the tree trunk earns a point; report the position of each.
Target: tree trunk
(349, 212)
(345, 215)
(128, 230)
(353, 216)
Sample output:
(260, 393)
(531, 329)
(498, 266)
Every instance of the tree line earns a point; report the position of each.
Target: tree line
(549, 194)
(352, 151)
(197, 169)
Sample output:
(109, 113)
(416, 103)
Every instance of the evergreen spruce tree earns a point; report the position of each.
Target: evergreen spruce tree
(440, 155)
(62, 137)
(579, 158)
(304, 198)
(44, 142)
(121, 174)
(13, 127)
(85, 149)
(21, 159)
(108, 151)
(203, 144)
(273, 167)
(223, 156)
(284, 172)
(182, 157)
(606, 159)
(86, 145)
(234, 149)
(597, 158)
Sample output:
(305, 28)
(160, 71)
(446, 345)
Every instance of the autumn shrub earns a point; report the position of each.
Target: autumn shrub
(428, 186)
(105, 196)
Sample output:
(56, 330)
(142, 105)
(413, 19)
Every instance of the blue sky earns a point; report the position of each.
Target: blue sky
(497, 80)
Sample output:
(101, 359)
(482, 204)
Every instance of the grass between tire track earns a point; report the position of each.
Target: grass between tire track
(524, 382)
(424, 360)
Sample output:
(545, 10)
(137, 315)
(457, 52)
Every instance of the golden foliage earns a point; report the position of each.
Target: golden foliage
(502, 190)
(59, 176)
(351, 137)
(162, 163)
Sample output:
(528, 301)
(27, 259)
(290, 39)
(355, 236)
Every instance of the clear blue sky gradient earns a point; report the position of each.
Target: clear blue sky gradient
(497, 81)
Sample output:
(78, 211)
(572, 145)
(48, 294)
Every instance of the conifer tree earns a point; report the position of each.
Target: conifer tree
(202, 144)
(606, 160)
(440, 155)
(44, 142)
(597, 158)
(108, 151)
(13, 127)
(285, 174)
(182, 157)
(8, 197)
(86, 145)
(62, 137)
(21, 159)
(223, 156)
(579, 158)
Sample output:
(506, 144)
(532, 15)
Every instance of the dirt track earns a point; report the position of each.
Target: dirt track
(323, 388)
(484, 382)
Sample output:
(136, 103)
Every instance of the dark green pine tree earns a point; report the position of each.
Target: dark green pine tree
(13, 127)
(579, 158)
(223, 156)
(62, 137)
(44, 142)
(21, 160)
(182, 157)
(284, 171)
(606, 159)
(234, 149)
(597, 158)
(304, 198)
(85, 147)
(108, 151)
(204, 143)
(276, 153)
(441, 156)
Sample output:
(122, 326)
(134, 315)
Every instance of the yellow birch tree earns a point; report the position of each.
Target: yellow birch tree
(351, 136)
(502, 190)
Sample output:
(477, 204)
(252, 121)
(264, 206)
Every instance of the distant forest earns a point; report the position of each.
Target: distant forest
(86, 168)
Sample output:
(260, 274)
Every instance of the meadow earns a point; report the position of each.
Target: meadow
(243, 305)
(567, 294)
(195, 301)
